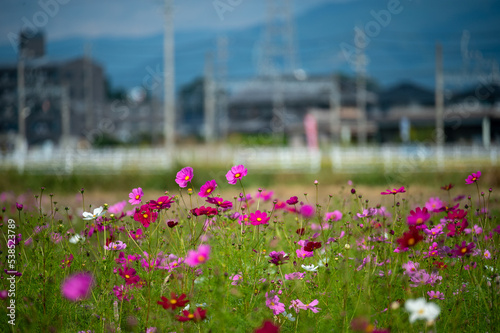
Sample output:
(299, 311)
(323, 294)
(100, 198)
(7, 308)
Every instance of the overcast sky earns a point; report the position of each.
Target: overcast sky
(61, 19)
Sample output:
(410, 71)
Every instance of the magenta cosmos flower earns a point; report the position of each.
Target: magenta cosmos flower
(196, 257)
(145, 215)
(259, 218)
(474, 177)
(184, 176)
(463, 249)
(207, 189)
(307, 211)
(236, 173)
(394, 191)
(77, 286)
(135, 196)
(418, 217)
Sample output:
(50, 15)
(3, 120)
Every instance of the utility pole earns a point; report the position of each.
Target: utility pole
(65, 117)
(439, 97)
(21, 143)
(169, 77)
(361, 96)
(439, 100)
(88, 90)
(209, 100)
(221, 86)
(335, 118)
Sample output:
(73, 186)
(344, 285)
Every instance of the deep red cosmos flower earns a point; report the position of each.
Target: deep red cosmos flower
(128, 274)
(198, 315)
(267, 327)
(410, 238)
(311, 246)
(208, 211)
(174, 301)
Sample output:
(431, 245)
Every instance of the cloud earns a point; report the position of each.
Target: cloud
(125, 18)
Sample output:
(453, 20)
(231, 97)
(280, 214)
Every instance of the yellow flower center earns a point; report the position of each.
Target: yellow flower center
(127, 276)
(369, 328)
(209, 190)
(420, 220)
(237, 175)
(259, 219)
(173, 301)
(160, 202)
(473, 178)
(145, 216)
(186, 178)
(190, 316)
(463, 250)
(421, 311)
(136, 236)
(411, 241)
(137, 197)
(201, 258)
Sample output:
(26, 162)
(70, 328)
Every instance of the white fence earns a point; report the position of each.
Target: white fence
(402, 159)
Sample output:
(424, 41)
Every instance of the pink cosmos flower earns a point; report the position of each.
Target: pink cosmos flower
(311, 306)
(418, 217)
(487, 254)
(115, 246)
(301, 253)
(259, 218)
(207, 188)
(264, 195)
(196, 257)
(474, 177)
(135, 196)
(243, 218)
(435, 295)
(236, 173)
(117, 208)
(294, 276)
(394, 191)
(274, 304)
(434, 204)
(123, 293)
(410, 268)
(77, 286)
(184, 176)
(138, 234)
(333, 216)
(236, 278)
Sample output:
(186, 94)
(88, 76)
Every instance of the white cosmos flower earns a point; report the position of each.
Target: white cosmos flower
(310, 268)
(76, 238)
(92, 216)
(323, 262)
(420, 309)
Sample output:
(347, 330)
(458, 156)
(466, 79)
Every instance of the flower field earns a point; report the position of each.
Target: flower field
(198, 260)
